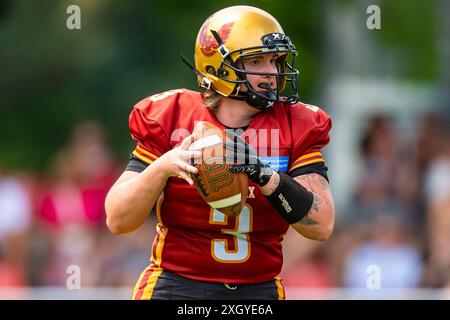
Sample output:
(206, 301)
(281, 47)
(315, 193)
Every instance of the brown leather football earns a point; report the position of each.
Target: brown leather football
(223, 190)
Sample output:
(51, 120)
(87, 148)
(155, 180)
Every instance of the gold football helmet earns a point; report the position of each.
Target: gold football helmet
(239, 32)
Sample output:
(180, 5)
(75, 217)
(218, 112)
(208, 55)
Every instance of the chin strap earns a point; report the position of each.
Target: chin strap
(261, 100)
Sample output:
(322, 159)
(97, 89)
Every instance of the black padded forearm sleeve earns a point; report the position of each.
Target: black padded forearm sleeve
(291, 200)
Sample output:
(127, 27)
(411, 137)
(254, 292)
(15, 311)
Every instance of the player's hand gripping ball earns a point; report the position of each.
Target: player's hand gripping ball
(222, 189)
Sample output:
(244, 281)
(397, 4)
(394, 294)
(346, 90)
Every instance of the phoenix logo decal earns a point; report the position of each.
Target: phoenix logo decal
(208, 45)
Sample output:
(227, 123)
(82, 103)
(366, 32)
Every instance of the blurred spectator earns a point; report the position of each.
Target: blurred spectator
(386, 212)
(15, 219)
(72, 207)
(67, 200)
(428, 145)
(437, 191)
(389, 179)
(431, 132)
(15, 207)
(389, 171)
(392, 249)
(92, 157)
(379, 154)
(83, 172)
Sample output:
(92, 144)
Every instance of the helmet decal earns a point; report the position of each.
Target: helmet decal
(209, 45)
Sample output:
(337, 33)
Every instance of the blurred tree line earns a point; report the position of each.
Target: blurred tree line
(52, 77)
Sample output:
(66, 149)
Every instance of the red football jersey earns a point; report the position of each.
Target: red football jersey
(193, 239)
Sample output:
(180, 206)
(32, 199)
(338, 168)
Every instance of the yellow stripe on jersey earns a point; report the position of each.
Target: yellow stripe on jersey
(309, 155)
(147, 153)
(156, 261)
(158, 206)
(156, 258)
(138, 283)
(141, 157)
(306, 159)
(151, 282)
(306, 163)
(162, 232)
(280, 289)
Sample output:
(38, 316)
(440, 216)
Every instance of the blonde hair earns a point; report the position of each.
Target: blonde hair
(211, 99)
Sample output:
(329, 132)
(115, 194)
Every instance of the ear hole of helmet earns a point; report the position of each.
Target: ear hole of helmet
(211, 70)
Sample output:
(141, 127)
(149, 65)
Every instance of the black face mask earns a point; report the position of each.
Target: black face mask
(263, 100)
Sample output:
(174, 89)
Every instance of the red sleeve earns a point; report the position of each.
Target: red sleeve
(161, 121)
(311, 132)
(152, 140)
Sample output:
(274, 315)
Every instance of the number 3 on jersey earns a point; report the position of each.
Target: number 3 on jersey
(243, 226)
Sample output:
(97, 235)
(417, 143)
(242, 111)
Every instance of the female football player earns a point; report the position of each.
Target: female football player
(244, 62)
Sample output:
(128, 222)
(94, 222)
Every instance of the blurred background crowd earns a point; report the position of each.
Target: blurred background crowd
(65, 97)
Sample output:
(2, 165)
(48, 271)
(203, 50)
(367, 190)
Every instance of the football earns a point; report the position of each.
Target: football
(222, 189)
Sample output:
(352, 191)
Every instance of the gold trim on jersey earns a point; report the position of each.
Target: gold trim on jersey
(144, 155)
(141, 157)
(151, 155)
(159, 202)
(138, 283)
(212, 221)
(280, 288)
(150, 282)
(306, 159)
(309, 155)
(154, 268)
(156, 256)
